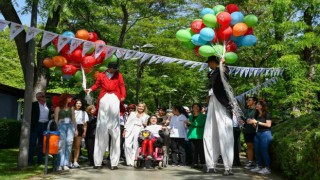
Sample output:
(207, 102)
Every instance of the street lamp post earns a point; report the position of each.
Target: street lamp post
(172, 90)
(140, 69)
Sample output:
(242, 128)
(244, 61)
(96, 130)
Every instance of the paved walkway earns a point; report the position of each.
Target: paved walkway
(130, 173)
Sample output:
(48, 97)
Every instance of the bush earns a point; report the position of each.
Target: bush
(295, 147)
(9, 133)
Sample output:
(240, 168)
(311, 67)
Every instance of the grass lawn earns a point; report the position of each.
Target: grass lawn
(8, 166)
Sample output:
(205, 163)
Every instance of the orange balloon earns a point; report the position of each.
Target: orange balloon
(59, 61)
(88, 70)
(239, 29)
(48, 62)
(96, 74)
(82, 34)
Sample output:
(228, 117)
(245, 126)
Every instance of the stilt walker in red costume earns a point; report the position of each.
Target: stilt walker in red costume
(111, 94)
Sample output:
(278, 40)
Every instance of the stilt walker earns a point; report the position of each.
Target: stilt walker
(108, 121)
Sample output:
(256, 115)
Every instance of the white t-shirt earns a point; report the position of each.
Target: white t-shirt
(78, 114)
(44, 113)
(177, 126)
(133, 120)
(154, 129)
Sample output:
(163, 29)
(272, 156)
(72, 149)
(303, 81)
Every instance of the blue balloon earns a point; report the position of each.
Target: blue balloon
(68, 33)
(67, 77)
(249, 40)
(197, 40)
(236, 38)
(206, 11)
(236, 17)
(207, 34)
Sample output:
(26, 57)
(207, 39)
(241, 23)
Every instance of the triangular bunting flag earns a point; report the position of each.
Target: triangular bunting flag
(47, 37)
(129, 54)
(255, 72)
(195, 65)
(241, 72)
(32, 33)
(120, 52)
(161, 59)
(188, 63)
(74, 44)
(237, 70)
(231, 69)
(203, 66)
(3, 24)
(15, 29)
(267, 72)
(246, 72)
(88, 46)
(181, 61)
(145, 57)
(62, 41)
(110, 51)
(251, 70)
(153, 59)
(99, 49)
(138, 55)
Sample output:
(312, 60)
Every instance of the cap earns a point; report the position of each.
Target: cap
(113, 65)
(186, 108)
(131, 106)
(213, 58)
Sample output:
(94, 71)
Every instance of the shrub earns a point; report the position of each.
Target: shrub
(295, 147)
(9, 133)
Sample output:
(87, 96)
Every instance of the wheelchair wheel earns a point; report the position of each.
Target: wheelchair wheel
(160, 164)
(136, 164)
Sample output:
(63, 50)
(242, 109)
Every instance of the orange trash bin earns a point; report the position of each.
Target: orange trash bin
(54, 137)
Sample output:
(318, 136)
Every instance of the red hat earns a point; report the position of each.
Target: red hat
(131, 106)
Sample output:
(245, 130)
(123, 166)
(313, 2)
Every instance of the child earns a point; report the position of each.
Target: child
(150, 134)
(91, 132)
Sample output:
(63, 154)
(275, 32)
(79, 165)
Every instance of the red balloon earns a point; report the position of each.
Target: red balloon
(69, 69)
(67, 56)
(231, 46)
(55, 101)
(197, 25)
(224, 18)
(224, 33)
(74, 63)
(88, 62)
(215, 39)
(230, 8)
(77, 55)
(100, 42)
(65, 49)
(55, 41)
(93, 36)
(250, 31)
(101, 57)
(196, 51)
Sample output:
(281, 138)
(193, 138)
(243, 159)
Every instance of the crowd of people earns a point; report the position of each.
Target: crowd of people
(196, 138)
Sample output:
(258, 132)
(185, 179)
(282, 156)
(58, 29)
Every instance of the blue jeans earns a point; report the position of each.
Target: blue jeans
(36, 135)
(65, 143)
(261, 147)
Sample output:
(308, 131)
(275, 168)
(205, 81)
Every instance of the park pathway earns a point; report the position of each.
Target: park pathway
(168, 173)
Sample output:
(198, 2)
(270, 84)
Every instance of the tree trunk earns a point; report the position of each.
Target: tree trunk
(124, 24)
(25, 128)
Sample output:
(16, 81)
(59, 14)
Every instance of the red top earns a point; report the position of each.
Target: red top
(114, 85)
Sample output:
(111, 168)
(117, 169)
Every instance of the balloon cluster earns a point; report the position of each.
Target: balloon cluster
(220, 32)
(68, 64)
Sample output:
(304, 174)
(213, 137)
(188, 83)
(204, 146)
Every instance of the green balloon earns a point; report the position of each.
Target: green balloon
(113, 58)
(206, 51)
(58, 71)
(52, 51)
(188, 45)
(190, 31)
(183, 35)
(250, 20)
(78, 76)
(218, 50)
(231, 57)
(102, 68)
(210, 20)
(218, 8)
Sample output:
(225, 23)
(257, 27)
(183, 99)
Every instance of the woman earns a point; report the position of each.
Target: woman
(91, 132)
(262, 122)
(81, 118)
(195, 135)
(178, 134)
(135, 123)
(64, 117)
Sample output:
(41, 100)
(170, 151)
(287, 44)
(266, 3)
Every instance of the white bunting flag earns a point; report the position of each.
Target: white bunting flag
(87, 47)
(203, 66)
(153, 59)
(145, 57)
(62, 41)
(99, 49)
(74, 44)
(138, 55)
(110, 51)
(181, 61)
(241, 72)
(3, 24)
(47, 37)
(188, 63)
(32, 33)
(195, 65)
(160, 60)
(15, 29)
(129, 54)
(120, 52)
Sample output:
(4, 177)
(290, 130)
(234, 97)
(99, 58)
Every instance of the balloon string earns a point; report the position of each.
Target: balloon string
(84, 81)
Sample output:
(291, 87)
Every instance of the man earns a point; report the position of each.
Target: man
(40, 115)
(112, 92)
(249, 131)
(218, 132)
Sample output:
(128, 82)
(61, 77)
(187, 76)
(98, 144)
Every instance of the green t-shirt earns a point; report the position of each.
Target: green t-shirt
(196, 128)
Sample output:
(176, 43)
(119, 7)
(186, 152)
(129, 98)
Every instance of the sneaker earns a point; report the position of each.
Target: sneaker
(228, 172)
(71, 166)
(265, 171)
(76, 165)
(149, 157)
(66, 168)
(211, 170)
(141, 156)
(256, 169)
(59, 168)
(250, 165)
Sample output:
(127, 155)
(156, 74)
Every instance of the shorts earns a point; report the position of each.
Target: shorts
(249, 138)
(80, 129)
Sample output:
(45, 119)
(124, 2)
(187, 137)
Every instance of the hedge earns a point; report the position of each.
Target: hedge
(9, 133)
(295, 147)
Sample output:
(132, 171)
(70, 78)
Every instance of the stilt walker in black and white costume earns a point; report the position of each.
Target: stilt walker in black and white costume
(218, 133)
